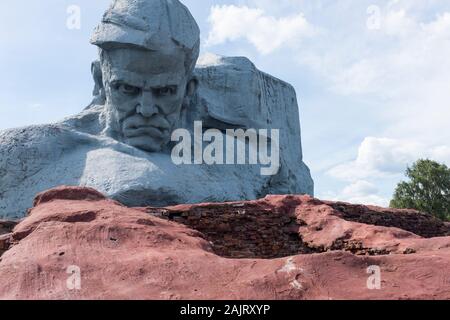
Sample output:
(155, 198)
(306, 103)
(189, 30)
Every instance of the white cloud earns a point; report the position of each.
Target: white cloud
(391, 62)
(382, 157)
(361, 192)
(208, 58)
(265, 32)
(398, 23)
(360, 188)
(398, 75)
(402, 69)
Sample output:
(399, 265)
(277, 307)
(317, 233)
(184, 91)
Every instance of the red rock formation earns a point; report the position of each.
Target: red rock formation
(132, 253)
(6, 228)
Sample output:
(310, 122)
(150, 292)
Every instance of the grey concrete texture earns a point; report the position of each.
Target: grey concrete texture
(146, 87)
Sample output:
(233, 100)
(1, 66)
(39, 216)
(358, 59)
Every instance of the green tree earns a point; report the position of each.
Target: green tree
(428, 189)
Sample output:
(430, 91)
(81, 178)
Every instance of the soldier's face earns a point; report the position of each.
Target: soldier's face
(145, 92)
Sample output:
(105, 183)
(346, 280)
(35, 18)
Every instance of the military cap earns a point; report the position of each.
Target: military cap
(149, 24)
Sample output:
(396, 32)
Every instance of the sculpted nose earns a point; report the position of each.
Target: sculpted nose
(147, 106)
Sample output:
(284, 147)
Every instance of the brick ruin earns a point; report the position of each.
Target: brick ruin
(6, 228)
(242, 230)
(254, 230)
(422, 224)
(251, 230)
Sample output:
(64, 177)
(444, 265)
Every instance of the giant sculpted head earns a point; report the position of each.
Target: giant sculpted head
(148, 51)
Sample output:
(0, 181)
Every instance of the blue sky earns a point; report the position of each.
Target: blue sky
(372, 77)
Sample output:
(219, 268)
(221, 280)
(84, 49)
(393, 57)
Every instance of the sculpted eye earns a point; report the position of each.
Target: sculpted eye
(128, 89)
(165, 91)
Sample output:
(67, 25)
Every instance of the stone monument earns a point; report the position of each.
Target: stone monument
(148, 85)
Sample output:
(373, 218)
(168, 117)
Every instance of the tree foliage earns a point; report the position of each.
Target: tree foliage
(427, 190)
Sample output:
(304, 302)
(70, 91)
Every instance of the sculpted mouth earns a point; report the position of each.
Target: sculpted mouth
(145, 130)
(136, 126)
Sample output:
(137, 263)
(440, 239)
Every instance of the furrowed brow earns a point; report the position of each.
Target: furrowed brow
(127, 78)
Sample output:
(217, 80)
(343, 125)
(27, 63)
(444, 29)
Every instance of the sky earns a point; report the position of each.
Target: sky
(372, 77)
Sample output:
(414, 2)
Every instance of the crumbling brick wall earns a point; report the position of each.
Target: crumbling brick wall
(6, 228)
(242, 230)
(252, 230)
(422, 224)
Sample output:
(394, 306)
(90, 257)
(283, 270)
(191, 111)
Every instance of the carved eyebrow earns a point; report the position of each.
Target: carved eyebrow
(172, 86)
(124, 77)
(121, 81)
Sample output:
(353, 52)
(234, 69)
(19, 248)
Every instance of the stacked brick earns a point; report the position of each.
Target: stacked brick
(422, 224)
(242, 230)
(6, 228)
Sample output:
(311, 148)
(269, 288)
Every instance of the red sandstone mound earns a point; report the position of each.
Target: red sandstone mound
(76, 244)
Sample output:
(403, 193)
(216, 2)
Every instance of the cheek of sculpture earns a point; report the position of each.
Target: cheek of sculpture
(122, 104)
(171, 106)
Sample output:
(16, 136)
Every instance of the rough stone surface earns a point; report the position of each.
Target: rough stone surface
(126, 253)
(6, 228)
(279, 226)
(268, 103)
(68, 193)
(422, 224)
(241, 229)
(121, 146)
